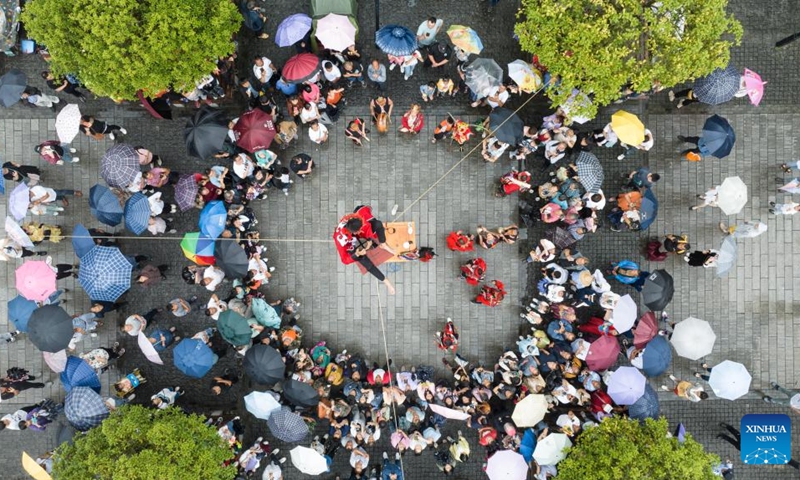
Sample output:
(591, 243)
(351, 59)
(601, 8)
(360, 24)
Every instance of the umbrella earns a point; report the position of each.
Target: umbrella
(36, 471)
(603, 353)
(261, 404)
(396, 40)
(85, 408)
(2, 184)
(507, 464)
(506, 126)
(300, 394)
(193, 357)
(82, 241)
(530, 411)
(12, 84)
(525, 76)
(628, 127)
(550, 450)
(120, 165)
(527, 444)
(137, 213)
(308, 461)
(78, 373)
(658, 290)
(732, 195)
(264, 365)
(234, 328)
(754, 86)
(185, 192)
(159, 108)
(105, 206)
(718, 136)
(148, 349)
(231, 258)
(624, 314)
(336, 32)
(657, 357)
(717, 87)
(300, 68)
(255, 130)
(292, 29)
(265, 314)
(17, 234)
(213, 218)
(198, 248)
(105, 273)
(19, 312)
(726, 258)
(646, 407)
(18, 201)
(482, 76)
(730, 380)
(465, 38)
(626, 385)
(68, 123)
(645, 330)
(576, 101)
(56, 361)
(36, 280)
(206, 132)
(287, 426)
(693, 338)
(50, 328)
(448, 412)
(590, 172)
(648, 210)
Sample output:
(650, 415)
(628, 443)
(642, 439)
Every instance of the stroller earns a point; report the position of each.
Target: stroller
(447, 339)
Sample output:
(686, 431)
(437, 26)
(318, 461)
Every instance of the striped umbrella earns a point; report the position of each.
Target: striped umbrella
(717, 87)
(137, 213)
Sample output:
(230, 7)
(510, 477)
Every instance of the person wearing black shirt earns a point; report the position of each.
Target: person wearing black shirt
(62, 84)
(302, 165)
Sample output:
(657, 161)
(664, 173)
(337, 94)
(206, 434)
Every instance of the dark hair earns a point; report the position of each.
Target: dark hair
(354, 225)
(327, 64)
(283, 170)
(447, 76)
(256, 57)
(208, 312)
(45, 74)
(432, 19)
(313, 122)
(703, 395)
(306, 105)
(596, 197)
(655, 177)
(307, 88)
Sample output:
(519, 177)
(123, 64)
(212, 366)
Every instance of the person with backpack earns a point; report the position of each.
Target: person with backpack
(55, 152)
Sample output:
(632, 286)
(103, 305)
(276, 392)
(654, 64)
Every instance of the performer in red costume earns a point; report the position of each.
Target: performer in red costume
(357, 234)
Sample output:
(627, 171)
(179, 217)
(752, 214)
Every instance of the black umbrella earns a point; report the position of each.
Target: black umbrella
(50, 328)
(264, 365)
(658, 290)
(231, 258)
(12, 84)
(206, 132)
(300, 394)
(507, 126)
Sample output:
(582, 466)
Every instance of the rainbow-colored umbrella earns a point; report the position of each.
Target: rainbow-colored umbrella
(198, 248)
(465, 38)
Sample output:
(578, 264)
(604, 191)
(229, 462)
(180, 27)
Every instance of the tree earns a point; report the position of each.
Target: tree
(624, 448)
(117, 47)
(600, 46)
(137, 443)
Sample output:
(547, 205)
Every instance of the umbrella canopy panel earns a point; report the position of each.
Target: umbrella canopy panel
(50, 328)
(206, 132)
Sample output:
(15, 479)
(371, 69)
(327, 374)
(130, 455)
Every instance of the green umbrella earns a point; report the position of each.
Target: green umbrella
(234, 328)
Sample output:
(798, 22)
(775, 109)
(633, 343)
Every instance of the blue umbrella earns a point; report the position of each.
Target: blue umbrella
(78, 373)
(137, 213)
(212, 219)
(717, 87)
(396, 40)
(292, 29)
(646, 407)
(85, 408)
(718, 137)
(193, 357)
(105, 206)
(2, 184)
(649, 209)
(528, 444)
(657, 357)
(105, 273)
(82, 241)
(19, 312)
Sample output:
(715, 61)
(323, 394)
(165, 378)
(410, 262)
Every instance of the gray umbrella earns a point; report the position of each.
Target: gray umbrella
(300, 394)
(287, 426)
(50, 328)
(646, 407)
(482, 76)
(718, 87)
(590, 172)
(120, 165)
(12, 84)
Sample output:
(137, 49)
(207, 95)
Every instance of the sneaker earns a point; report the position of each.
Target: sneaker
(679, 105)
(131, 396)
(767, 398)
(621, 156)
(271, 269)
(111, 136)
(75, 159)
(385, 456)
(93, 335)
(665, 388)
(60, 162)
(123, 131)
(73, 150)
(264, 36)
(671, 96)
(173, 231)
(672, 377)
(275, 452)
(774, 385)
(397, 456)
(282, 460)
(391, 67)
(259, 439)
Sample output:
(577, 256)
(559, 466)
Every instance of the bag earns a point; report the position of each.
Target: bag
(693, 157)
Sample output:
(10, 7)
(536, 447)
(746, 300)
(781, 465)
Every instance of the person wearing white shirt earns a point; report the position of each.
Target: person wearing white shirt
(16, 420)
(215, 306)
(317, 132)
(499, 97)
(212, 277)
(42, 195)
(426, 33)
(309, 113)
(331, 71)
(595, 201)
(263, 70)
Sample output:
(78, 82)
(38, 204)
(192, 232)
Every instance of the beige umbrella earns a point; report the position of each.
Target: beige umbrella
(530, 411)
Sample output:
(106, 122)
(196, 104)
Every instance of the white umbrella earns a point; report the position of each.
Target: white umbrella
(624, 314)
(525, 76)
(148, 349)
(507, 465)
(576, 100)
(732, 195)
(448, 412)
(530, 411)
(726, 257)
(550, 451)
(336, 32)
(68, 123)
(17, 234)
(261, 404)
(308, 461)
(730, 380)
(626, 385)
(693, 338)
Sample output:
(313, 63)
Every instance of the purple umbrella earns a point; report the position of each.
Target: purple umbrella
(292, 29)
(626, 385)
(18, 201)
(185, 192)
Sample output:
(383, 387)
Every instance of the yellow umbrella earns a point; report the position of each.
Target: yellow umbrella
(628, 127)
(34, 469)
(465, 38)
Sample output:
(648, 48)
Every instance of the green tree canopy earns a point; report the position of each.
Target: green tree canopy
(623, 448)
(137, 443)
(117, 47)
(599, 46)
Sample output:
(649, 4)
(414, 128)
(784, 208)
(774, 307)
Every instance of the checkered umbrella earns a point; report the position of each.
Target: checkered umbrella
(78, 373)
(137, 213)
(287, 426)
(105, 273)
(119, 165)
(185, 192)
(718, 87)
(105, 206)
(590, 172)
(85, 408)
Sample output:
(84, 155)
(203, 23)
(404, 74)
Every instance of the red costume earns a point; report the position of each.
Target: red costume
(459, 242)
(491, 294)
(417, 124)
(510, 187)
(346, 243)
(448, 338)
(474, 271)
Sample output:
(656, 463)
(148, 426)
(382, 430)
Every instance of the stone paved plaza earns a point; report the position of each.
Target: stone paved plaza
(753, 309)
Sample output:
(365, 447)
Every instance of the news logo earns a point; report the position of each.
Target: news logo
(766, 439)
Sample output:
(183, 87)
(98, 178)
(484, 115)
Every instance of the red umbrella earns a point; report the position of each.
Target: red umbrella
(300, 68)
(646, 330)
(603, 353)
(254, 131)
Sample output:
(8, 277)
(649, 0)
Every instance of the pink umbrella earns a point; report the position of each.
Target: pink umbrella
(448, 412)
(36, 281)
(56, 361)
(754, 86)
(507, 465)
(336, 32)
(603, 353)
(646, 330)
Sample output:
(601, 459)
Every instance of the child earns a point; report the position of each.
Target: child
(281, 180)
(428, 91)
(445, 86)
(443, 129)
